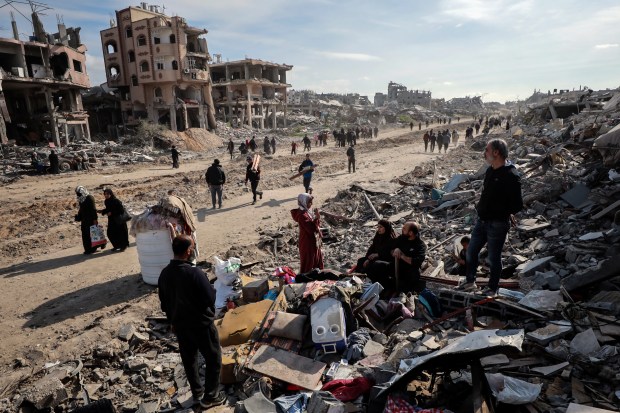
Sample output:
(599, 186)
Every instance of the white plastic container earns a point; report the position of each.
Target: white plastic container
(329, 330)
(154, 253)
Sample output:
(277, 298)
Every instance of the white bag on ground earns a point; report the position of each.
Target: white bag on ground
(222, 293)
(227, 271)
(513, 391)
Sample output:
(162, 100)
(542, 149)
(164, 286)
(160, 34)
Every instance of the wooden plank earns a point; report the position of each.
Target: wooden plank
(288, 367)
(607, 210)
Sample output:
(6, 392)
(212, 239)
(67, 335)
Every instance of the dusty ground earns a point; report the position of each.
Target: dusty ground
(57, 302)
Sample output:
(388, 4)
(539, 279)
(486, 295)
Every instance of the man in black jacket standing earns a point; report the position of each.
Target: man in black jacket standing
(351, 157)
(188, 299)
(216, 178)
(499, 201)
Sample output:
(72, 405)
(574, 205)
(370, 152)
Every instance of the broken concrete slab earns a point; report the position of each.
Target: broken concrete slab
(528, 268)
(611, 208)
(591, 236)
(550, 332)
(371, 348)
(580, 408)
(584, 343)
(287, 366)
(126, 332)
(604, 270)
(542, 299)
(577, 196)
(47, 392)
(550, 370)
(494, 360)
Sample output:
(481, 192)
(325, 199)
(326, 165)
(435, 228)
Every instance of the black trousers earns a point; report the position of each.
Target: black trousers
(307, 183)
(203, 338)
(254, 186)
(351, 164)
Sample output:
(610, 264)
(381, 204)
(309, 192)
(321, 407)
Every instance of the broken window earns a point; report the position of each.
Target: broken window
(175, 65)
(159, 63)
(77, 66)
(128, 32)
(59, 64)
(142, 40)
(158, 92)
(134, 80)
(132, 56)
(111, 47)
(114, 72)
(191, 63)
(191, 48)
(144, 66)
(173, 38)
(156, 40)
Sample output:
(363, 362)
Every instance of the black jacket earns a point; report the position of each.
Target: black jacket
(416, 250)
(186, 296)
(215, 175)
(87, 213)
(251, 174)
(351, 152)
(501, 194)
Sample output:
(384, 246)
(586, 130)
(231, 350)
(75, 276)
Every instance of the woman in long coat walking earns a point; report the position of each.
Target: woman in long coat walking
(117, 225)
(87, 216)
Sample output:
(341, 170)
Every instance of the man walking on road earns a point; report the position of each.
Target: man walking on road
(499, 201)
(273, 145)
(188, 299)
(307, 163)
(231, 147)
(351, 157)
(175, 156)
(252, 174)
(216, 178)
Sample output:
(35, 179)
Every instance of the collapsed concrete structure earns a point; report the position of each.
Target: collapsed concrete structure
(40, 84)
(250, 91)
(399, 93)
(159, 67)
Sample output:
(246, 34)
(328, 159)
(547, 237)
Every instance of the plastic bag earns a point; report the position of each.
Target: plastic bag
(227, 271)
(513, 391)
(97, 236)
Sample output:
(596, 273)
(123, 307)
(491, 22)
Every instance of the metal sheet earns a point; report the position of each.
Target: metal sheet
(462, 351)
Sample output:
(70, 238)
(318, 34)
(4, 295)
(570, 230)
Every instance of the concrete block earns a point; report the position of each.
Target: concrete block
(605, 269)
(47, 392)
(552, 331)
(409, 325)
(584, 343)
(126, 332)
(371, 348)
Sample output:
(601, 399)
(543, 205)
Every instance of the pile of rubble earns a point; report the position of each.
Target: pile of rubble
(329, 341)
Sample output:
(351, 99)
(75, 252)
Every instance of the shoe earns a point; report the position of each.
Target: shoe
(213, 207)
(122, 249)
(103, 246)
(260, 194)
(196, 398)
(207, 403)
(489, 292)
(115, 249)
(253, 202)
(220, 206)
(467, 287)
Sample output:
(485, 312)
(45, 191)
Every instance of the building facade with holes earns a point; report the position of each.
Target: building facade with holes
(158, 65)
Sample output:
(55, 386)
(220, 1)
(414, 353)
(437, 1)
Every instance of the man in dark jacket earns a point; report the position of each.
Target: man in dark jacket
(351, 157)
(231, 147)
(273, 145)
(188, 299)
(216, 178)
(175, 156)
(499, 201)
(410, 253)
(252, 174)
(54, 162)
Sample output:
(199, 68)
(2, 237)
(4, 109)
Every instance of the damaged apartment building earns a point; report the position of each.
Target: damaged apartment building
(40, 83)
(250, 92)
(158, 65)
(400, 94)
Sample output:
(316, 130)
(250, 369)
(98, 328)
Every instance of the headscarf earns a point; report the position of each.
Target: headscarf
(109, 191)
(81, 193)
(302, 201)
(389, 230)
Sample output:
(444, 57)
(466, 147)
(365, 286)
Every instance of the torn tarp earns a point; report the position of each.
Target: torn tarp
(460, 352)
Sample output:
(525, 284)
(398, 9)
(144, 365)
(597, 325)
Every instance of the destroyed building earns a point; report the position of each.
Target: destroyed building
(159, 67)
(40, 83)
(250, 92)
(400, 94)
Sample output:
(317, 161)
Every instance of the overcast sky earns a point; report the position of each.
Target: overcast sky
(501, 49)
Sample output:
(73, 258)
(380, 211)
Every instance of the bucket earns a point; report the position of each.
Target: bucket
(154, 253)
(328, 327)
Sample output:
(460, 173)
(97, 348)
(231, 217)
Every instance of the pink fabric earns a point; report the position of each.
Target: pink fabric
(347, 390)
(310, 255)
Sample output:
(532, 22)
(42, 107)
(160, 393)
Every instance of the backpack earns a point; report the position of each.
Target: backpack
(430, 302)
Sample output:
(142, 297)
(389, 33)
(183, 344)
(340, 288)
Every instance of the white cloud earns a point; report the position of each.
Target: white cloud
(360, 57)
(447, 83)
(606, 46)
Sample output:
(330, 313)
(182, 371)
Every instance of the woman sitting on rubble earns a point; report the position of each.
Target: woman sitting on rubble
(310, 255)
(379, 250)
(117, 225)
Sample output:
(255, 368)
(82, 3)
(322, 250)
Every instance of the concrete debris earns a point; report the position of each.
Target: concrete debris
(547, 342)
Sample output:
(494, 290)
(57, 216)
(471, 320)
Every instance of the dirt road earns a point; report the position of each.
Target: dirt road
(57, 302)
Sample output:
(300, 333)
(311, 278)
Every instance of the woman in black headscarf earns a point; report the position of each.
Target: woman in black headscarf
(87, 216)
(379, 250)
(117, 226)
